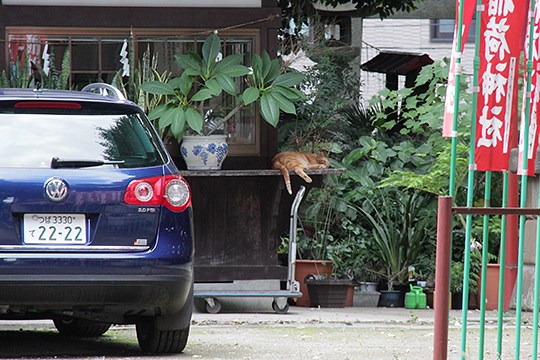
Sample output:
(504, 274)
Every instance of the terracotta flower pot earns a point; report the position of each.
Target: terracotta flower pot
(492, 287)
(309, 267)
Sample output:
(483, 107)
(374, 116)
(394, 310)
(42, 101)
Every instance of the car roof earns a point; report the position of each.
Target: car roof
(105, 94)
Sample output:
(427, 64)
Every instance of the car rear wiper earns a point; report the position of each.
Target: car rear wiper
(70, 163)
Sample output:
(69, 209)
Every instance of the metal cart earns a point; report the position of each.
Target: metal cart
(280, 304)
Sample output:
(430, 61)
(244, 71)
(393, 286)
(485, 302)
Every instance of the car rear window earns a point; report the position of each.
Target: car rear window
(33, 138)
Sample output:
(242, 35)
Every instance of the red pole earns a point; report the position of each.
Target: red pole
(442, 277)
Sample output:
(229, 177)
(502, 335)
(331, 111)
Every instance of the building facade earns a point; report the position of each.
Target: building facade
(428, 30)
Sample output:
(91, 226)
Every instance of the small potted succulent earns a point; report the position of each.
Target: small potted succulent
(190, 104)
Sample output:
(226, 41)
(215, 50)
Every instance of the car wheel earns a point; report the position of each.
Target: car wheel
(152, 340)
(80, 327)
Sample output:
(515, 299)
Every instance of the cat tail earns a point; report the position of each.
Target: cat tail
(286, 178)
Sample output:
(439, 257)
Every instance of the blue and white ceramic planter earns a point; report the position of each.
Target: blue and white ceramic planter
(204, 152)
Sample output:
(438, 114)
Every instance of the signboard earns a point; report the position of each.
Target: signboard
(534, 129)
(501, 42)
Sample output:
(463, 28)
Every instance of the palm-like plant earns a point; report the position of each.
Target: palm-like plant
(187, 99)
(402, 228)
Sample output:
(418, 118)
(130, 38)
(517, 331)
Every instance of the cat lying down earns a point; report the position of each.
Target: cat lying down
(298, 162)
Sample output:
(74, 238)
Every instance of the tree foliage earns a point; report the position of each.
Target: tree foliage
(301, 10)
(383, 8)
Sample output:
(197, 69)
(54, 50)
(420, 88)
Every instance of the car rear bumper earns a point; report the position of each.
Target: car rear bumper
(113, 290)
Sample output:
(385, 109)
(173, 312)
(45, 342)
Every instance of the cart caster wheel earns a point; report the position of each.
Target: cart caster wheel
(280, 309)
(213, 306)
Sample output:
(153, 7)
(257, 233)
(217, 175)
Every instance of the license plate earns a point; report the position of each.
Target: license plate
(48, 229)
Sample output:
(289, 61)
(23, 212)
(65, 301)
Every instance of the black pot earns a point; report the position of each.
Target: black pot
(391, 298)
(457, 301)
(328, 292)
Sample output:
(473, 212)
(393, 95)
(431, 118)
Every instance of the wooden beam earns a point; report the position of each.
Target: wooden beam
(495, 211)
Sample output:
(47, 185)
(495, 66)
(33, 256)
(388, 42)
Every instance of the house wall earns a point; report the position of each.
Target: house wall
(402, 35)
(264, 18)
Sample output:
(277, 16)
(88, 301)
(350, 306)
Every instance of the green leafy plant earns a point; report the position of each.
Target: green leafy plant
(323, 209)
(58, 79)
(193, 101)
(19, 76)
(435, 180)
(146, 70)
(457, 273)
(330, 86)
(401, 230)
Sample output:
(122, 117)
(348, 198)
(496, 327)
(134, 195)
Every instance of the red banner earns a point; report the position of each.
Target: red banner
(502, 31)
(448, 120)
(534, 129)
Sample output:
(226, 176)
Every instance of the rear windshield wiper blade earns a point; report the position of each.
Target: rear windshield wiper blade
(70, 163)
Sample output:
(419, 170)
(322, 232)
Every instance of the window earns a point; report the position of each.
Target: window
(442, 30)
(90, 58)
(93, 55)
(100, 137)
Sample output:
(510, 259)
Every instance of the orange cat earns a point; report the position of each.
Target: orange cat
(298, 161)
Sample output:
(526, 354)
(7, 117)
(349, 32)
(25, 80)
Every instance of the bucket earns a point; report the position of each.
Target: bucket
(415, 299)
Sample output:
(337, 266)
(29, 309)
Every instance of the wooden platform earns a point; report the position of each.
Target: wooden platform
(240, 216)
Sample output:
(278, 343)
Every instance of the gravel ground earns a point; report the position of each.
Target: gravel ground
(350, 333)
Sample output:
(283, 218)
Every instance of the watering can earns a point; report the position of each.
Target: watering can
(415, 299)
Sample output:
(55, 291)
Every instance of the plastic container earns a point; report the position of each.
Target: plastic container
(415, 299)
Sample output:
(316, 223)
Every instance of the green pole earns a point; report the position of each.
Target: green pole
(536, 289)
(470, 182)
(502, 265)
(523, 195)
(485, 260)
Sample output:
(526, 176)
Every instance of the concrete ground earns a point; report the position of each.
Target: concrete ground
(302, 333)
(378, 333)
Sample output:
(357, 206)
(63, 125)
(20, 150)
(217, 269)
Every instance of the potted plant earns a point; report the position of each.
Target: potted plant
(367, 280)
(192, 104)
(316, 244)
(401, 228)
(312, 261)
(334, 289)
(456, 284)
(328, 291)
(366, 270)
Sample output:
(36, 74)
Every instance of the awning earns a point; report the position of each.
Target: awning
(396, 63)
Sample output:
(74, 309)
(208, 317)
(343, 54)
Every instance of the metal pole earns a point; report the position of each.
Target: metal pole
(523, 198)
(442, 277)
(470, 183)
(292, 284)
(536, 288)
(485, 260)
(502, 266)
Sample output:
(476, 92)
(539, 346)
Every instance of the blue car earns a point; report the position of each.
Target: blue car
(96, 224)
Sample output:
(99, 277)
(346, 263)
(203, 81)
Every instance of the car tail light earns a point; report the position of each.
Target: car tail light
(47, 105)
(172, 191)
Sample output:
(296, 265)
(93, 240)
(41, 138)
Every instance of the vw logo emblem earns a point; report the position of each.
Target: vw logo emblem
(56, 189)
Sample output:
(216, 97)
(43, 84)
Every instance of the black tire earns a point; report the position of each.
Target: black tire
(152, 340)
(75, 327)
